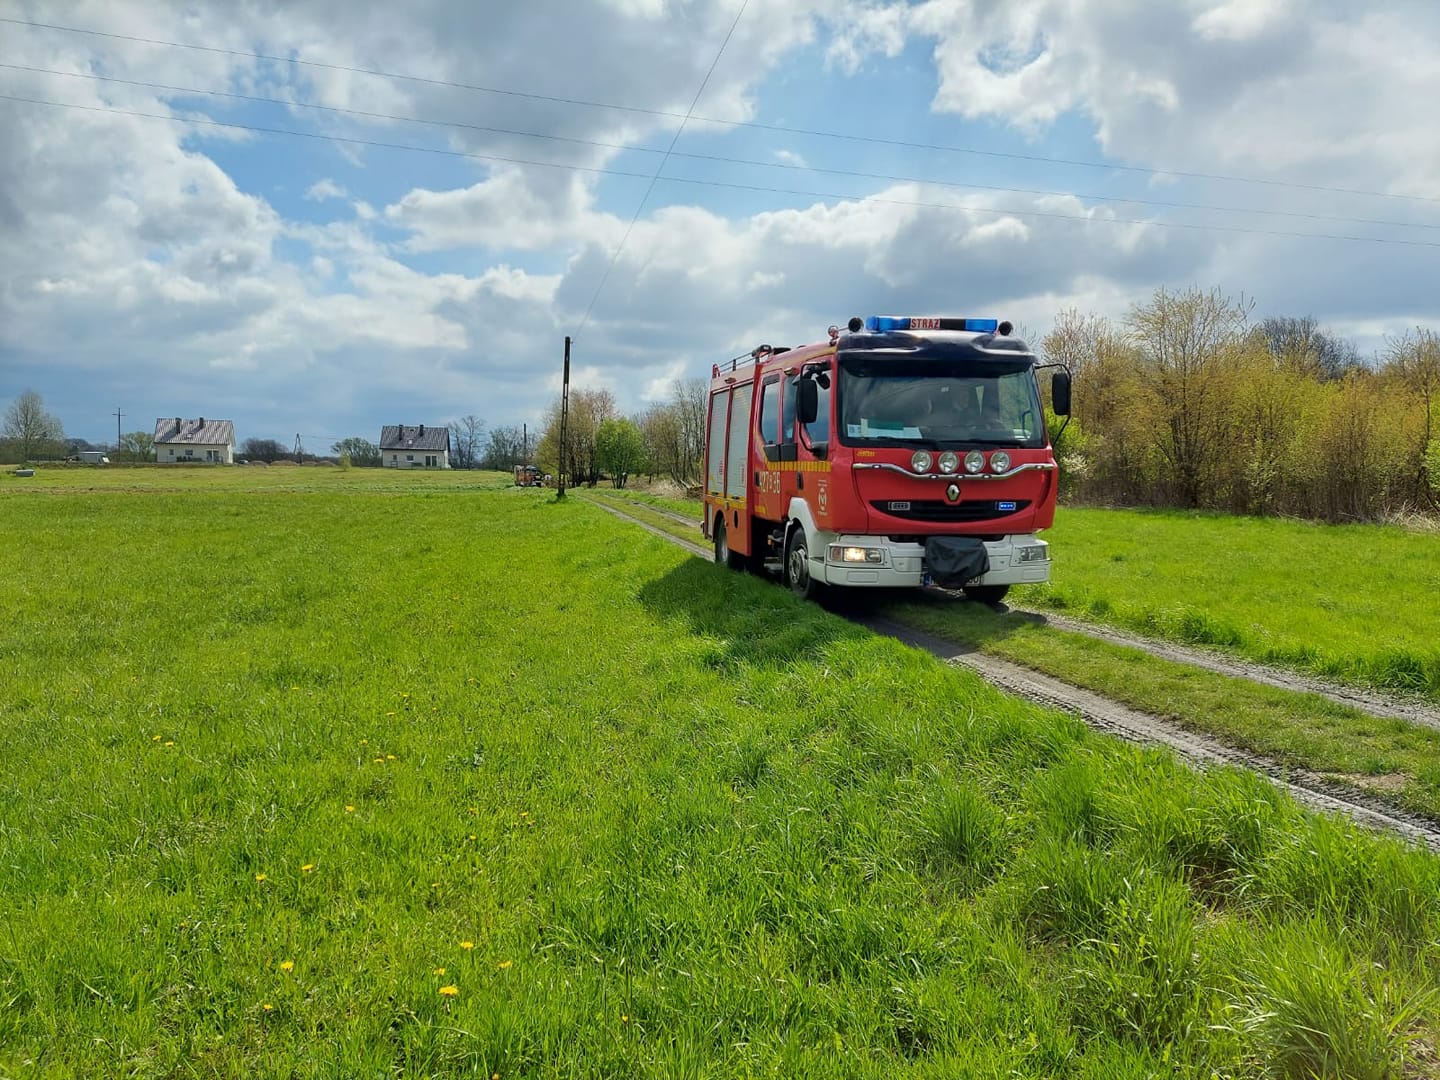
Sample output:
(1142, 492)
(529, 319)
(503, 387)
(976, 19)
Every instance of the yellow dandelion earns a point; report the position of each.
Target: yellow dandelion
(434, 884)
(154, 738)
(471, 679)
(287, 965)
(467, 945)
(472, 836)
(504, 964)
(391, 757)
(439, 971)
(169, 742)
(390, 713)
(309, 866)
(624, 1019)
(349, 809)
(474, 810)
(450, 991)
(259, 877)
(379, 761)
(364, 742)
(268, 1007)
(294, 688)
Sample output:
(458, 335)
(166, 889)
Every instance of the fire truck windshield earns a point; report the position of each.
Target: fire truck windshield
(900, 403)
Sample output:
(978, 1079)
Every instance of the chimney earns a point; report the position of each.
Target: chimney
(422, 431)
(202, 421)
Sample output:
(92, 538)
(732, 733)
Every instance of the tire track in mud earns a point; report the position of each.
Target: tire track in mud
(1113, 718)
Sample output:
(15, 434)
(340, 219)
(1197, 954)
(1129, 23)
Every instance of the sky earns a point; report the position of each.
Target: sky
(318, 217)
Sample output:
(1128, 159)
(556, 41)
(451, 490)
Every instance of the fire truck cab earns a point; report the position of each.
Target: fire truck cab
(903, 451)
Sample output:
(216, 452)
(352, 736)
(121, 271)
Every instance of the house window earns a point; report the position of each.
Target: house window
(189, 453)
(394, 459)
(409, 457)
(172, 453)
(429, 461)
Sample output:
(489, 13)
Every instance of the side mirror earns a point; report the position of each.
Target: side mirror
(807, 401)
(1060, 393)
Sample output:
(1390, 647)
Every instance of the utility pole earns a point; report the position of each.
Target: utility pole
(564, 417)
(524, 444)
(299, 453)
(118, 415)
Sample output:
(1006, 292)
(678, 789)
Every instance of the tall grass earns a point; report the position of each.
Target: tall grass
(364, 774)
(1354, 602)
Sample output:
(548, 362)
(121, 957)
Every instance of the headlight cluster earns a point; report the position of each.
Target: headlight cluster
(950, 462)
(1036, 552)
(846, 553)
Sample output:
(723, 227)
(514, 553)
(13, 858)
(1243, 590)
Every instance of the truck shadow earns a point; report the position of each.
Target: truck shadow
(755, 620)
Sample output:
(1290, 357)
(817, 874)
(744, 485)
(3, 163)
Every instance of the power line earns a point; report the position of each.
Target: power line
(997, 211)
(754, 124)
(720, 158)
(658, 170)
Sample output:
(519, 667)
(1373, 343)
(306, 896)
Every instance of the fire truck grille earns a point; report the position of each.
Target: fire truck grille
(940, 510)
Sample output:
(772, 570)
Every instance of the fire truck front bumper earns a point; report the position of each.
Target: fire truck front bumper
(878, 562)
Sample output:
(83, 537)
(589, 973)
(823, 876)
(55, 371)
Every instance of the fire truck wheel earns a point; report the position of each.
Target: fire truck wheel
(723, 555)
(797, 567)
(986, 594)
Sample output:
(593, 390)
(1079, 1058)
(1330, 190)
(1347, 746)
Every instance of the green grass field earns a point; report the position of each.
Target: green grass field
(1354, 602)
(1389, 760)
(353, 773)
(1357, 603)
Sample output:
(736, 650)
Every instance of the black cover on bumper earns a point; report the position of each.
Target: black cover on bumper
(954, 560)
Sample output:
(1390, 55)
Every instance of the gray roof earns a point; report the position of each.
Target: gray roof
(423, 437)
(174, 429)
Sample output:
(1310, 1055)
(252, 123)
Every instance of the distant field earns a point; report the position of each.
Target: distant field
(367, 774)
(1356, 602)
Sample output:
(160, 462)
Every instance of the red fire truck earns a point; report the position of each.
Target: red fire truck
(903, 451)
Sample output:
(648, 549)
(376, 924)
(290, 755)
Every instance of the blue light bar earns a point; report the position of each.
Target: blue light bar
(884, 323)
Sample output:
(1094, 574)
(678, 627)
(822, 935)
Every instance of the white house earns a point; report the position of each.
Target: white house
(423, 447)
(177, 439)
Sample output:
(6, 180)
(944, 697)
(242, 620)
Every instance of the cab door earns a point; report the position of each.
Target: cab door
(768, 494)
(812, 443)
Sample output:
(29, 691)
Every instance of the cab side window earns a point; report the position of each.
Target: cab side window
(787, 421)
(819, 430)
(770, 416)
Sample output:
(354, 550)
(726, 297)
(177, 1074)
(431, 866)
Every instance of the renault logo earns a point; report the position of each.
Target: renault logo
(953, 493)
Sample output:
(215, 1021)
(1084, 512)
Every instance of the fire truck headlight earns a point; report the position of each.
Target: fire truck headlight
(949, 462)
(921, 461)
(974, 462)
(999, 461)
(1036, 552)
(844, 554)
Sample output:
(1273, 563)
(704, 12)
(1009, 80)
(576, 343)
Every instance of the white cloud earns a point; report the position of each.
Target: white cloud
(324, 189)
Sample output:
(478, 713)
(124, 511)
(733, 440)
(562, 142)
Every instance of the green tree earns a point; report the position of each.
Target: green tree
(31, 429)
(136, 446)
(362, 452)
(620, 449)
(1188, 343)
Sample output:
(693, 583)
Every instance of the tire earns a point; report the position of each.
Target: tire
(796, 567)
(723, 555)
(986, 594)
